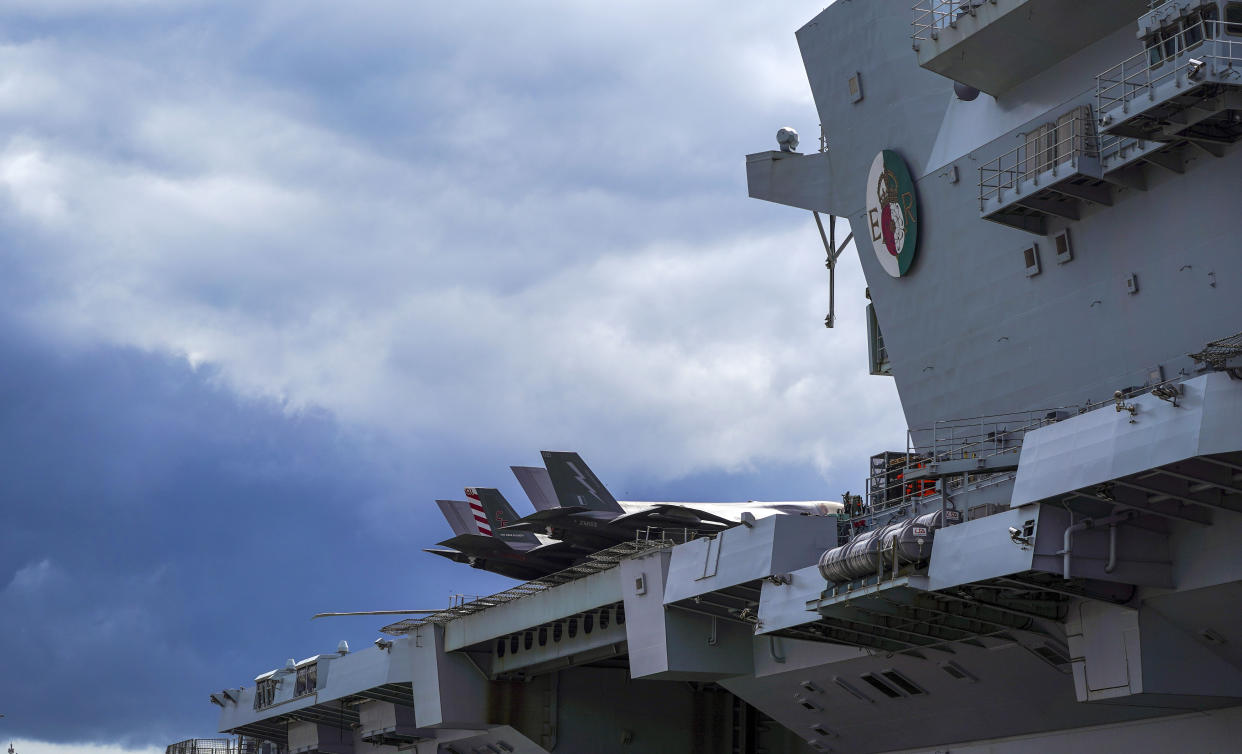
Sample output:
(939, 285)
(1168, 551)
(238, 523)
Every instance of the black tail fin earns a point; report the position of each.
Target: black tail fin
(498, 514)
(576, 484)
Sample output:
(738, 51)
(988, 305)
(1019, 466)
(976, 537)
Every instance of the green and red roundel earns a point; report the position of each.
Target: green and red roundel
(892, 213)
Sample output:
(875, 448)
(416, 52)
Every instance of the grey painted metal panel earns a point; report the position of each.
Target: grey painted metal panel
(784, 605)
(670, 643)
(982, 549)
(320, 739)
(1011, 692)
(376, 717)
(561, 601)
(339, 677)
(795, 179)
(1105, 444)
(547, 651)
(773, 545)
(1005, 42)
(450, 691)
(1209, 731)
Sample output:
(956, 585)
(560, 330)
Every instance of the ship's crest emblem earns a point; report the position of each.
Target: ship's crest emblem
(892, 213)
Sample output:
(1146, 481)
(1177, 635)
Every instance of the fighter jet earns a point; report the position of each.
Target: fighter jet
(537, 483)
(589, 516)
(572, 504)
(479, 541)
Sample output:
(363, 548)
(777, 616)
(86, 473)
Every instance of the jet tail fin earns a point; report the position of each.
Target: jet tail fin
(458, 515)
(498, 514)
(537, 485)
(575, 484)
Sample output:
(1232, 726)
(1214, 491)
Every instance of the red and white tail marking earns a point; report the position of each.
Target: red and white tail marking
(480, 515)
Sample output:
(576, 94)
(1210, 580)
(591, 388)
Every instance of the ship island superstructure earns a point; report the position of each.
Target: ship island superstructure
(1044, 198)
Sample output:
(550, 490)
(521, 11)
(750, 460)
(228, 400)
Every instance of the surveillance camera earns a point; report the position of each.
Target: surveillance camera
(1015, 536)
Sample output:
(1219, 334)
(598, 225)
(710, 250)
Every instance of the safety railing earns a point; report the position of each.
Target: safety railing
(1046, 148)
(981, 436)
(213, 746)
(930, 16)
(1182, 55)
(893, 483)
(595, 563)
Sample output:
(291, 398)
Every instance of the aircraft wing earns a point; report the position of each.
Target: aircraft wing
(453, 555)
(540, 520)
(552, 514)
(664, 514)
(476, 544)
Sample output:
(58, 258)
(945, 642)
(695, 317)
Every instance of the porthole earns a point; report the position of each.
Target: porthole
(513, 644)
(500, 647)
(620, 615)
(572, 628)
(588, 623)
(603, 619)
(543, 636)
(556, 632)
(528, 640)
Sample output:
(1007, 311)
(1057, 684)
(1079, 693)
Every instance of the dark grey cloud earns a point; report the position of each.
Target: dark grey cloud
(160, 536)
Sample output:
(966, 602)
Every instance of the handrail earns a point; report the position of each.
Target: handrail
(1169, 60)
(933, 15)
(1022, 163)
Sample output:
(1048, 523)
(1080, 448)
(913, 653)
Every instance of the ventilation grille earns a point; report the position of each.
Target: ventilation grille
(957, 671)
(892, 684)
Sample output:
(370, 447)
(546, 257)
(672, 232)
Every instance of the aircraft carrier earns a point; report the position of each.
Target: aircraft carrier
(1044, 196)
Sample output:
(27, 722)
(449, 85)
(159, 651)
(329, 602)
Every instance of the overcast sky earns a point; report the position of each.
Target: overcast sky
(275, 276)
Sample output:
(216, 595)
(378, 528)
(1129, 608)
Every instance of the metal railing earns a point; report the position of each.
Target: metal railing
(1215, 44)
(595, 563)
(212, 746)
(1046, 148)
(978, 437)
(1117, 147)
(981, 436)
(930, 16)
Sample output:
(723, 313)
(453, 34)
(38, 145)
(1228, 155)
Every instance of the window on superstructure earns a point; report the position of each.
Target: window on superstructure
(1193, 30)
(1154, 54)
(307, 681)
(875, 345)
(1209, 15)
(1233, 19)
(1172, 41)
(265, 693)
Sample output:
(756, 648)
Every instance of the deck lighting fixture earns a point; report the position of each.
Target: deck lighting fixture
(1194, 69)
